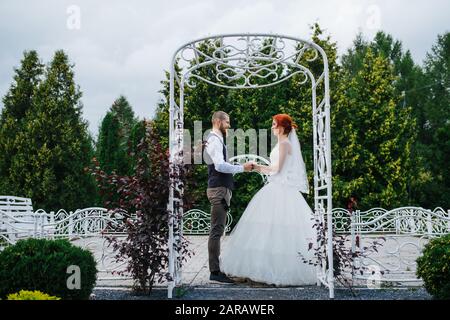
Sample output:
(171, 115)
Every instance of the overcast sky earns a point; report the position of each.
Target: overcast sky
(123, 47)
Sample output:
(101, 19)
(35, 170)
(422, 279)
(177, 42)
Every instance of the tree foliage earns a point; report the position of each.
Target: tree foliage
(432, 186)
(372, 136)
(390, 126)
(114, 138)
(17, 102)
(48, 153)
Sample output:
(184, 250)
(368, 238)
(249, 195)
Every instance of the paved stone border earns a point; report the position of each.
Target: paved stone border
(232, 292)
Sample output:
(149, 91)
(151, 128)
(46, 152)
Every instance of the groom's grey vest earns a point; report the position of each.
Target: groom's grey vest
(216, 178)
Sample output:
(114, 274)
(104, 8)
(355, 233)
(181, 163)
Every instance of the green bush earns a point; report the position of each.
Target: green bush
(434, 267)
(31, 295)
(40, 264)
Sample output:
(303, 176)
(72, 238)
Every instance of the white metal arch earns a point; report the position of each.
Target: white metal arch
(239, 60)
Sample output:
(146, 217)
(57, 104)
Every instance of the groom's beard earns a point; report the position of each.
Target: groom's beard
(224, 131)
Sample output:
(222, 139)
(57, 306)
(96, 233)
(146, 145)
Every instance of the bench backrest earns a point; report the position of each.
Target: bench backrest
(16, 206)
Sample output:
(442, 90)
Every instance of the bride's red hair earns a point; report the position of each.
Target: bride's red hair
(285, 121)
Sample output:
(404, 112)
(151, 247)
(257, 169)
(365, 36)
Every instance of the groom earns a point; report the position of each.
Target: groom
(220, 186)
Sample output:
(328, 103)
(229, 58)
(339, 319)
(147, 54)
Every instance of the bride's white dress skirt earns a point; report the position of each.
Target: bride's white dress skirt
(264, 245)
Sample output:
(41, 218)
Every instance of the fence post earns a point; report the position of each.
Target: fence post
(52, 226)
(397, 222)
(353, 240)
(52, 217)
(41, 224)
(85, 225)
(352, 231)
(429, 225)
(70, 226)
(358, 220)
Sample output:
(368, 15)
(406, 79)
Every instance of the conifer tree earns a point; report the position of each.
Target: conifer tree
(114, 138)
(373, 144)
(435, 138)
(54, 147)
(17, 102)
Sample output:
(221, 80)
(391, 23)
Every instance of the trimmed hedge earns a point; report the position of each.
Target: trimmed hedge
(434, 267)
(40, 264)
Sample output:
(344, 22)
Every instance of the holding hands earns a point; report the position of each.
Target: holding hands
(248, 166)
(251, 166)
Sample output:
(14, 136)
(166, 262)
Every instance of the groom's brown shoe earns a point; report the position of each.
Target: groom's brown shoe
(220, 277)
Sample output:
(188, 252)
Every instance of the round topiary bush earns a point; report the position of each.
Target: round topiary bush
(55, 267)
(434, 267)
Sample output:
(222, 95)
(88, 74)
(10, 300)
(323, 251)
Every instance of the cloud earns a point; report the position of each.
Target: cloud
(124, 47)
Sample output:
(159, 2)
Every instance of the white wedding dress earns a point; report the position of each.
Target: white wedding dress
(276, 225)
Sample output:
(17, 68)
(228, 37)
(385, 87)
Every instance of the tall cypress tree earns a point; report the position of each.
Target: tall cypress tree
(374, 140)
(122, 109)
(109, 144)
(17, 102)
(409, 80)
(114, 138)
(54, 147)
(435, 133)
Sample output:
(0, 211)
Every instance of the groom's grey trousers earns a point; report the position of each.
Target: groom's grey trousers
(219, 198)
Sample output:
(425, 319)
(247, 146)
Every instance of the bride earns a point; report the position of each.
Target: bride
(277, 224)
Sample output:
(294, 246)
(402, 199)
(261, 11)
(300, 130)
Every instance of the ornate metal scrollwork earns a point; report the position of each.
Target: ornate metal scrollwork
(406, 231)
(197, 222)
(240, 61)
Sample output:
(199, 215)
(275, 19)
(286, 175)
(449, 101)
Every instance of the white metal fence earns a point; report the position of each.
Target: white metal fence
(86, 228)
(406, 230)
(391, 221)
(40, 224)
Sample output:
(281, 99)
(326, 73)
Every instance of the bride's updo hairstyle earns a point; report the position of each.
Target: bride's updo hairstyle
(285, 121)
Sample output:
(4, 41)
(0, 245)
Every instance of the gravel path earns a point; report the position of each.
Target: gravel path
(246, 293)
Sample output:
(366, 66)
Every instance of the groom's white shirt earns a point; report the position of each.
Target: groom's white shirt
(214, 148)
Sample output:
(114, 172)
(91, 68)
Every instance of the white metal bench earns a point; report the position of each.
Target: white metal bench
(198, 222)
(241, 159)
(18, 219)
